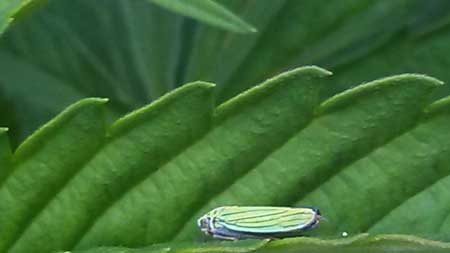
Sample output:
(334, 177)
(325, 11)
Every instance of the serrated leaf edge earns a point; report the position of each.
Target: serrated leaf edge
(339, 99)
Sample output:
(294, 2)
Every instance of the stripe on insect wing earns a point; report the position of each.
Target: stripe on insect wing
(274, 221)
(237, 211)
(258, 218)
(285, 224)
(290, 221)
(261, 229)
(254, 215)
(267, 217)
(294, 225)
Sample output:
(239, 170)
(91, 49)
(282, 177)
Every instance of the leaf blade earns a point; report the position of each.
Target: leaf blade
(413, 170)
(148, 143)
(421, 221)
(5, 155)
(62, 137)
(125, 191)
(209, 12)
(346, 127)
(286, 102)
(125, 58)
(210, 57)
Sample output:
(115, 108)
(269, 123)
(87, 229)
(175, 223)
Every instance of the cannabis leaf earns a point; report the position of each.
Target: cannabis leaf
(365, 157)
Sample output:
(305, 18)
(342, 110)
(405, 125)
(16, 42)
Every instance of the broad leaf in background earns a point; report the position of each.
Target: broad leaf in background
(404, 36)
(133, 51)
(5, 155)
(61, 53)
(81, 182)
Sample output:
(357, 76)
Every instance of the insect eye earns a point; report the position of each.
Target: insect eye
(205, 222)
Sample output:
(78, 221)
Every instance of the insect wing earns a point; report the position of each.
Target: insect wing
(265, 220)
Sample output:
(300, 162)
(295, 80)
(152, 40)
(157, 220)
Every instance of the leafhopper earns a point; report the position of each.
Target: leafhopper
(242, 222)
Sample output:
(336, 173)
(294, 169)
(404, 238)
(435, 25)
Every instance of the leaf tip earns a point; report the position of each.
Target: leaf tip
(438, 106)
(95, 100)
(313, 68)
(196, 86)
(426, 79)
(244, 28)
(32, 143)
(200, 84)
(203, 91)
(345, 97)
(248, 29)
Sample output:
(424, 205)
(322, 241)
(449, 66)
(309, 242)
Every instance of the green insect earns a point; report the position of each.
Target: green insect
(241, 222)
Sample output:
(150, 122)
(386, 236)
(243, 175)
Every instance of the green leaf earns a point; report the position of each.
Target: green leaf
(433, 152)
(45, 161)
(209, 12)
(426, 54)
(137, 51)
(429, 17)
(348, 127)
(130, 61)
(374, 158)
(5, 155)
(148, 176)
(360, 243)
(134, 146)
(324, 35)
(409, 36)
(88, 64)
(210, 247)
(210, 58)
(400, 174)
(246, 129)
(352, 40)
(43, 86)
